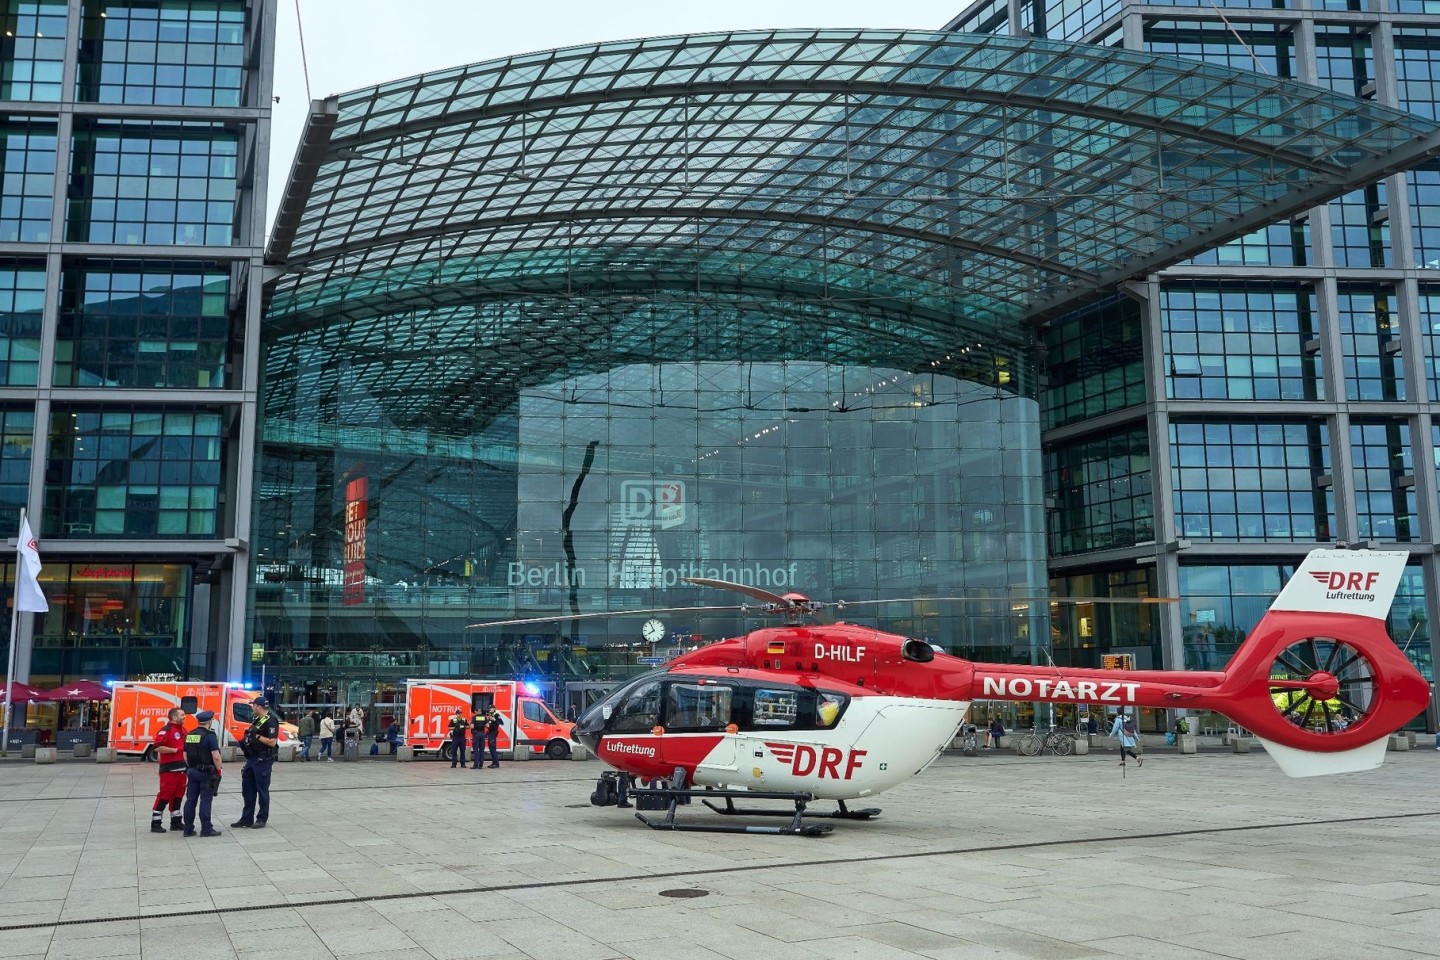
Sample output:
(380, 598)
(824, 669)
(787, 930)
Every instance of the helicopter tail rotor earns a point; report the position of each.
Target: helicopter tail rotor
(1319, 681)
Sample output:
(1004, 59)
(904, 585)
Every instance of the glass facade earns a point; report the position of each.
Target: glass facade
(1100, 491)
(144, 325)
(27, 179)
(22, 305)
(1370, 340)
(32, 49)
(139, 184)
(1252, 481)
(164, 52)
(1384, 481)
(139, 473)
(1240, 341)
(112, 617)
(1095, 363)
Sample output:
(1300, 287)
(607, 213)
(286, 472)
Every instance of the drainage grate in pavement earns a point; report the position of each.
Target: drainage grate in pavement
(685, 893)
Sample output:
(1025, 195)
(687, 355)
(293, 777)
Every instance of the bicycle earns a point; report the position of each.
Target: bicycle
(1059, 742)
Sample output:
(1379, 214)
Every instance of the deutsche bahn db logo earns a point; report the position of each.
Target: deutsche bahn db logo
(1346, 580)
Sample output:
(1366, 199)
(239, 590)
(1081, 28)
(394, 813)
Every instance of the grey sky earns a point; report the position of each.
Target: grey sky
(359, 43)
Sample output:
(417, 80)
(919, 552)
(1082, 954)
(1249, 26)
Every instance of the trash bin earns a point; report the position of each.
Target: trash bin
(352, 748)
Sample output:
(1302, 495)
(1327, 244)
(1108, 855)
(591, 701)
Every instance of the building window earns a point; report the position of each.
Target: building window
(1240, 342)
(1424, 189)
(22, 308)
(1417, 66)
(1095, 362)
(1284, 244)
(1384, 482)
(1409, 616)
(134, 473)
(1251, 481)
(32, 49)
(143, 325)
(168, 52)
(1345, 61)
(1258, 47)
(1067, 19)
(1082, 632)
(17, 429)
(27, 179)
(1100, 490)
(122, 620)
(1370, 339)
(1220, 605)
(172, 184)
(1360, 228)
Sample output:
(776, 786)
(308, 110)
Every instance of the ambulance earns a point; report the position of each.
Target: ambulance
(138, 709)
(529, 722)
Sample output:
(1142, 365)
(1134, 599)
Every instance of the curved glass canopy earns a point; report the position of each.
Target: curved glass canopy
(849, 186)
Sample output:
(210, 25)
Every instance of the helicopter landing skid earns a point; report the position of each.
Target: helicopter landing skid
(672, 797)
(843, 813)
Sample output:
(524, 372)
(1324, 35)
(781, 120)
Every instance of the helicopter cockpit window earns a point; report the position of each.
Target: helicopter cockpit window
(638, 712)
(690, 706)
(775, 708)
(828, 707)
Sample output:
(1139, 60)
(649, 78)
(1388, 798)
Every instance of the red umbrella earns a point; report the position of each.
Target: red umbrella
(23, 691)
(85, 690)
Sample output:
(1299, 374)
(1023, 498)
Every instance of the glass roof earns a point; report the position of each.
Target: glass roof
(963, 182)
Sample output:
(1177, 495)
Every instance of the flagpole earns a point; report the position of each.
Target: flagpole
(14, 643)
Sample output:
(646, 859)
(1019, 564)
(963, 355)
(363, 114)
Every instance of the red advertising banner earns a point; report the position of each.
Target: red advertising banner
(357, 505)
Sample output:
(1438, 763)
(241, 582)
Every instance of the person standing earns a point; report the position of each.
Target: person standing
(261, 747)
(307, 734)
(477, 739)
(202, 774)
(1125, 730)
(327, 738)
(493, 722)
(457, 740)
(170, 754)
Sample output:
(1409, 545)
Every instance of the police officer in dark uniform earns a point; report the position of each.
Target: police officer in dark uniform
(493, 721)
(261, 747)
(457, 740)
(202, 774)
(477, 738)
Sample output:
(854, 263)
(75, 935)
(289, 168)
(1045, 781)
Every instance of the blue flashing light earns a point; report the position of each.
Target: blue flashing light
(532, 689)
(249, 686)
(109, 683)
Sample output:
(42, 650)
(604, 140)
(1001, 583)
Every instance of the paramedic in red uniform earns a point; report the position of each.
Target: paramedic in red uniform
(170, 752)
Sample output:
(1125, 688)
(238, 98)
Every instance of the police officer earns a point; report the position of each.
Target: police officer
(493, 721)
(457, 740)
(261, 747)
(477, 738)
(202, 774)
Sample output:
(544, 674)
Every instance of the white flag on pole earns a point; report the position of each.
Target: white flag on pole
(28, 596)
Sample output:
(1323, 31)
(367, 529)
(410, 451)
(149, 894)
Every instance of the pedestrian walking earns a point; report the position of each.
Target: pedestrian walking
(261, 747)
(202, 774)
(170, 754)
(307, 734)
(1125, 730)
(493, 722)
(327, 739)
(457, 740)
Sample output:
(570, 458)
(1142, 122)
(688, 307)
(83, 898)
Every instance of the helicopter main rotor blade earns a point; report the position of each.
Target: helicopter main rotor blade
(782, 604)
(842, 604)
(608, 613)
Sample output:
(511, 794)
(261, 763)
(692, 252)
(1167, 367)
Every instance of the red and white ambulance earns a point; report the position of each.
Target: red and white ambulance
(138, 709)
(530, 724)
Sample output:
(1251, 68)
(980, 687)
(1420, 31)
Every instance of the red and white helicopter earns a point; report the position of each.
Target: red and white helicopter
(843, 712)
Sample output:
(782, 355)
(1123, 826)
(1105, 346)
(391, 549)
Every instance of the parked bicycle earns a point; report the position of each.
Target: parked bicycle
(1059, 742)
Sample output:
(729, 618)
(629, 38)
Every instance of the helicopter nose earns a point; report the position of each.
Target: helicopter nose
(589, 727)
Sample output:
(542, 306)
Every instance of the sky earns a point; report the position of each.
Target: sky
(360, 43)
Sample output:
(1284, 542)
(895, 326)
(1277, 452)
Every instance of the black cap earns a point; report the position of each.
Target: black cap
(205, 716)
(260, 702)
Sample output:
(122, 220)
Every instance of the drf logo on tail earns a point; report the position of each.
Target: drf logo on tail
(824, 762)
(1342, 580)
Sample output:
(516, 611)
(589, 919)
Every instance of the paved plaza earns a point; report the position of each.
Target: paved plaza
(999, 857)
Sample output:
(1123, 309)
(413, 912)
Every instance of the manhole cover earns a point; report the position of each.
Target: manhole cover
(685, 893)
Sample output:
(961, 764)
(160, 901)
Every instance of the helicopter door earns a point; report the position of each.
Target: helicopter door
(696, 715)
